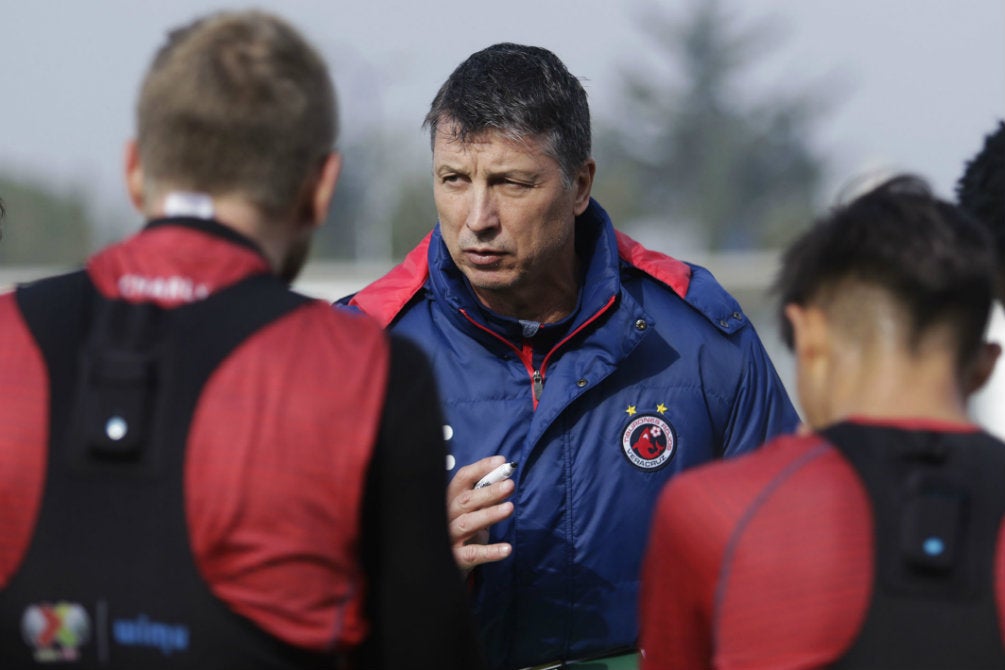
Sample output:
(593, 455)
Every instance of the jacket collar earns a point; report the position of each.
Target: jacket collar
(208, 226)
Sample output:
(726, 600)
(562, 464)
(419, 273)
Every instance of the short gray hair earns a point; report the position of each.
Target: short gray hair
(521, 92)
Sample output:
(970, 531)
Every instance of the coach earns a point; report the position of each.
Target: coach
(598, 366)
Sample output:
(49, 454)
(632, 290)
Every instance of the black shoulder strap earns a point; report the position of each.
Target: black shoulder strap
(57, 310)
(938, 504)
(100, 353)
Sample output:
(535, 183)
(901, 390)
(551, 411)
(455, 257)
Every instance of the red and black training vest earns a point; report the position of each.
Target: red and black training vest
(109, 579)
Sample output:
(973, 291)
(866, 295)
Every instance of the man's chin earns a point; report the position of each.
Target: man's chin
(489, 280)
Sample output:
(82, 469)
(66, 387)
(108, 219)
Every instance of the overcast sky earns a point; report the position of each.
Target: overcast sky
(917, 82)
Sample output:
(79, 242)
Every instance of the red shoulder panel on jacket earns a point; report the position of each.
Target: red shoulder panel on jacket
(670, 271)
(385, 298)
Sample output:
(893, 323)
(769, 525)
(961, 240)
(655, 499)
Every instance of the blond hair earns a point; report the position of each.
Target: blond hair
(236, 103)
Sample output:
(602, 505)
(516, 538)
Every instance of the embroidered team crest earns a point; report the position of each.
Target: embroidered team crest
(648, 441)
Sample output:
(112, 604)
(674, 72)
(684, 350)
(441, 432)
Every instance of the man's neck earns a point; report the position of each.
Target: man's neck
(272, 238)
(550, 297)
(899, 388)
(549, 308)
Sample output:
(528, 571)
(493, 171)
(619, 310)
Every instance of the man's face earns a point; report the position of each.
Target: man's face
(506, 215)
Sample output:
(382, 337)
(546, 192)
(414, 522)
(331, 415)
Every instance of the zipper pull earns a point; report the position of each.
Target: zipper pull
(538, 385)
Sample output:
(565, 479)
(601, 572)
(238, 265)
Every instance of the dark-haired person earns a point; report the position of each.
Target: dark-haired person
(180, 486)
(875, 541)
(981, 192)
(600, 367)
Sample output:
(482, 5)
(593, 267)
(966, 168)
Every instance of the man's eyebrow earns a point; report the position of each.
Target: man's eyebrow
(446, 167)
(520, 172)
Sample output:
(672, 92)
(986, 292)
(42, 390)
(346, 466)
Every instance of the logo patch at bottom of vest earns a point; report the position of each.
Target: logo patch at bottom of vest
(56, 631)
(144, 632)
(649, 442)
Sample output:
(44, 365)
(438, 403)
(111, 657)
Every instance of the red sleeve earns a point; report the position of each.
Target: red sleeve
(793, 492)
(24, 434)
(678, 576)
(277, 457)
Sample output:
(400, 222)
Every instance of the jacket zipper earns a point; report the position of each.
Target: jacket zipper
(527, 358)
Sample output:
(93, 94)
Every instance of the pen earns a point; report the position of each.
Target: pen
(502, 472)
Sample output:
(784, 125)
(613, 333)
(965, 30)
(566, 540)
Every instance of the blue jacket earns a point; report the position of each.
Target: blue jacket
(657, 371)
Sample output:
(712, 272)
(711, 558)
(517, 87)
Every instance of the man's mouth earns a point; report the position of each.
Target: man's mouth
(482, 257)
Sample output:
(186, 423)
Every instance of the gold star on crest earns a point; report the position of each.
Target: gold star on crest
(661, 408)
(631, 411)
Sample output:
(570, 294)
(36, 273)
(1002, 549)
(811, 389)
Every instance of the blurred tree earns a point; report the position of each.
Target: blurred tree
(700, 152)
(413, 213)
(383, 203)
(43, 226)
(345, 233)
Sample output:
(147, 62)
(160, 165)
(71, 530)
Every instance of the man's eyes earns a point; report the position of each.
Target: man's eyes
(517, 183)
(508, 183)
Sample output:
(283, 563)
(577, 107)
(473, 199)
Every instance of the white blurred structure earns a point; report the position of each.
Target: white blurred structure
(988, 405)
(331, 281)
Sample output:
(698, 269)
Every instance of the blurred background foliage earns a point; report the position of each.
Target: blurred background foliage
(695, 151)
(692, 159)
(43, 225)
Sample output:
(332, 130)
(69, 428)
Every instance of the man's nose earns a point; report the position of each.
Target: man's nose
(483, 212)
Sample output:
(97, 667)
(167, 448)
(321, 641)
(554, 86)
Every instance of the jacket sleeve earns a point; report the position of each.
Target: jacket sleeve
(416, 602)
(343, 303)
(761, 408)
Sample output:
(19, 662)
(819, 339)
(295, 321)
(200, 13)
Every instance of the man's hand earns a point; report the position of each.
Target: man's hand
(470, 512)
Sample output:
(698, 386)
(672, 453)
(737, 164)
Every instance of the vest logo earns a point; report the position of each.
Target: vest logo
(174, 289)
(649, 442)
(56, 631)
(142, 632)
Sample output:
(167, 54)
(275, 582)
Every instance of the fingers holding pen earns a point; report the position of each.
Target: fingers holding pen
(469, 530)
(463, 496)
(473, 501)
(471, 511)
(471, 474)
(478, 509)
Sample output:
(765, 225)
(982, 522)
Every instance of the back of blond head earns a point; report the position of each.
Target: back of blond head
(236, 104)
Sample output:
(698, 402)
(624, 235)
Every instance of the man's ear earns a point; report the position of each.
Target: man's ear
(812, 345)
(811, 342)
(324, 188)
(134, 174)
(584, 185)
(982, 368)
(809, 331)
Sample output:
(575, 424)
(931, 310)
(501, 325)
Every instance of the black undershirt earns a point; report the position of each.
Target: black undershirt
(416, 601)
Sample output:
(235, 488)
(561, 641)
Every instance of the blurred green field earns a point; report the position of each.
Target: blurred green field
(624, 662)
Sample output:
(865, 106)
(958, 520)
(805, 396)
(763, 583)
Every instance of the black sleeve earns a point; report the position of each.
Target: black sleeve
(416, 600)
